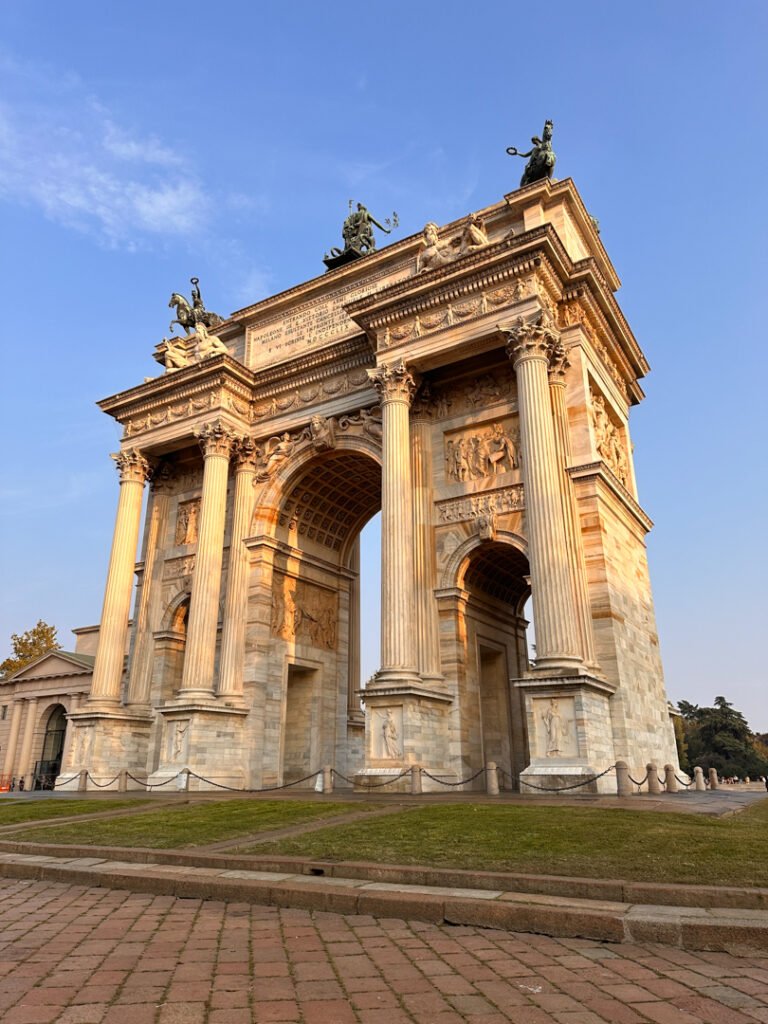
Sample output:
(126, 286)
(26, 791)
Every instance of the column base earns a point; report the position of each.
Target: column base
(106, 742)
(556, 773)
(205, 738)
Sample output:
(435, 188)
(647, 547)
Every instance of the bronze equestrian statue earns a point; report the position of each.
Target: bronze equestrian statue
(542, 159)
(188, 316)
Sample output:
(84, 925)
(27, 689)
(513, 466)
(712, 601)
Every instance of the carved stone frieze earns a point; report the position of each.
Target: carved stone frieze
(187, 520)
(294, 398)
(304, 612)
(609, 440)
(178, 568)
(495, 503)
(439, 401)
(483, 453)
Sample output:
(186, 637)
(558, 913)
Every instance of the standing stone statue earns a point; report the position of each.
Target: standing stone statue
(542, 159)
(358, 236)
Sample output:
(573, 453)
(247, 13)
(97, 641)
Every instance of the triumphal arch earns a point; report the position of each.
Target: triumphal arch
(473, 383)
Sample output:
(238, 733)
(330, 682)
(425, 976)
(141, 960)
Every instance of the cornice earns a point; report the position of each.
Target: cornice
(598, 471)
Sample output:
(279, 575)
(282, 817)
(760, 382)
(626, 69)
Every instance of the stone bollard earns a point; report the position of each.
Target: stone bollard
(713, 780)
(122, 781)
(623, 783)
(415, 779)
(698, 780)
(492, 779)
(654, 786)
(670, 782)
(182, 782)
(82, 782)
(327, 778)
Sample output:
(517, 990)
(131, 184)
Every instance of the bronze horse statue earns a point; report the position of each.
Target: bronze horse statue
(542, 159)
(188, 316)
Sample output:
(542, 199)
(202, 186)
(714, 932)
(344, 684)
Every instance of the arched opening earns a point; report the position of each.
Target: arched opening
(495, 580)
(49, 765)
(315, 629)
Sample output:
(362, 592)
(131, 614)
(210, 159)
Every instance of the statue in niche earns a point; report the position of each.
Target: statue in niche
(554, 726)
(189, 316)
(178, 739)
(433, 255)
(473, 236)
(542, 159)
(322, 432)
(390, 736)
(186, 522)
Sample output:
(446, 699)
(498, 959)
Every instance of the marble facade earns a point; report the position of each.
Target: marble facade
(480, 400)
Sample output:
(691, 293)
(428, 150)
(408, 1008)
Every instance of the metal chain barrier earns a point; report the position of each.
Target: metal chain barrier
(373, 785)
(641, 782)
(442, 782)
(268, 789)
(102, 785)
(561, 789)
(63, 782)
(686, 784)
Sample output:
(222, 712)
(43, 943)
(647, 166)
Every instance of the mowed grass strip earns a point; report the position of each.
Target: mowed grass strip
(38, 810)
(574, 841)
(199, 825)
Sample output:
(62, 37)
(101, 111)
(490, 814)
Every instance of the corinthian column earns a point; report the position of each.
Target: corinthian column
(232, 661)
(425, 568)
(13, 738)
(197, 680)
(529, 344)
(26, 762)
(396, 386)
(157, 521)
(558, 365)
(108, 666)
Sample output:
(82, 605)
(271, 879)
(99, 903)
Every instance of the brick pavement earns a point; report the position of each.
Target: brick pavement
(80, 955)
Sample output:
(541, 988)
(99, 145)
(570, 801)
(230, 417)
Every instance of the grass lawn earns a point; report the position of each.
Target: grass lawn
(198, 825)
(15, 811)
(637, 845)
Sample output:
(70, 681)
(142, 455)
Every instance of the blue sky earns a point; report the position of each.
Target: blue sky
(142, 144)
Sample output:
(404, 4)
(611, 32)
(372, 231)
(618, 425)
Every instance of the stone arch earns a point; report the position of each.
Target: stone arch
(273, 491)
(176, 611)
(51, 737)
(458, 562)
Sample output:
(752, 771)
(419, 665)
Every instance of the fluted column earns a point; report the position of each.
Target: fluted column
(74, 704)
(557, 370)
(197, 680)
(396, 386)
(529, 344)
(140, 680)
(425, 568)
(108, 667)
(353, 660)
(13, 737)
(25, 761)
(232, 661)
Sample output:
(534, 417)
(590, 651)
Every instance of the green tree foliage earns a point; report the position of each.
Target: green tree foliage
(719, 737)
(28, 646)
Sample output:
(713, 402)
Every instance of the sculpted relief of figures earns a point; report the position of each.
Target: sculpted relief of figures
(304, 612)
(187, 519)
(452, 399)
(608, 440)
(484, 454)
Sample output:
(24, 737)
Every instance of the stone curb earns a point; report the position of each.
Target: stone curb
(694, 928)
(615, 890)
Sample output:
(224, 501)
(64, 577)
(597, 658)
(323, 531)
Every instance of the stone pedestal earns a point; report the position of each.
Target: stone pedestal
(105, 743)
(569, 733)
(208, 739)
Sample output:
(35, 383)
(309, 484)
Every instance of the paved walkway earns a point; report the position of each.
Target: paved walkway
(78, 955)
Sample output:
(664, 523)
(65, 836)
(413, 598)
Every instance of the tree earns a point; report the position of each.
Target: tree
(719, 737)
(28, 646)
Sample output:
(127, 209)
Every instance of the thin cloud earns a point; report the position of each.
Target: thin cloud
(64, 153)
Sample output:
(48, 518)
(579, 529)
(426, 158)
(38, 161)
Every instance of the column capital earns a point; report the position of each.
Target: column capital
(558, 363)
(132, 466)
(531, 337)
(394, 382)
(246, 455)
(215, 440)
